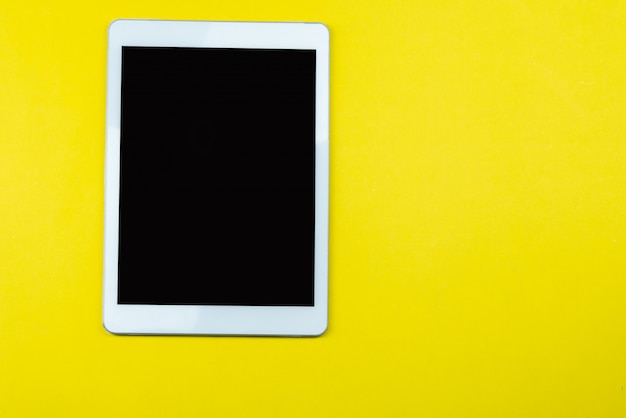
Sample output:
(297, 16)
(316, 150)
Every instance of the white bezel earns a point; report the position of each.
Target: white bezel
(202, 319)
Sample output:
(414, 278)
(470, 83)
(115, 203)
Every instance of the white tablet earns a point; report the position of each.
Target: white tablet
(216, 195)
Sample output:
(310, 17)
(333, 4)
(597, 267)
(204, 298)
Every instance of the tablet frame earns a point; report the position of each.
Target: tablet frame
(212, 319)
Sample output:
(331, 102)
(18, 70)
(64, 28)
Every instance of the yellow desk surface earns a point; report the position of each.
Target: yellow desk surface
(478, 220)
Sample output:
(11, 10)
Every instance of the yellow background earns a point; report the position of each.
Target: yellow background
(478, 220)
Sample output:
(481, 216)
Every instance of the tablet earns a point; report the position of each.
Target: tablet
(216, 183)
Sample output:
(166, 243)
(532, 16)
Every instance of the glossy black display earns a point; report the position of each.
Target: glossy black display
(217, 183)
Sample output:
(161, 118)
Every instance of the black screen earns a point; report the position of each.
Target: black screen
(217, 177)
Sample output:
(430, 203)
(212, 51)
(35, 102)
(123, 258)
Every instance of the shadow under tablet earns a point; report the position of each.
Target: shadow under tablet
(217, 183)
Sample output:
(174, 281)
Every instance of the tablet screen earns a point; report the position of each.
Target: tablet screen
(217, 179)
